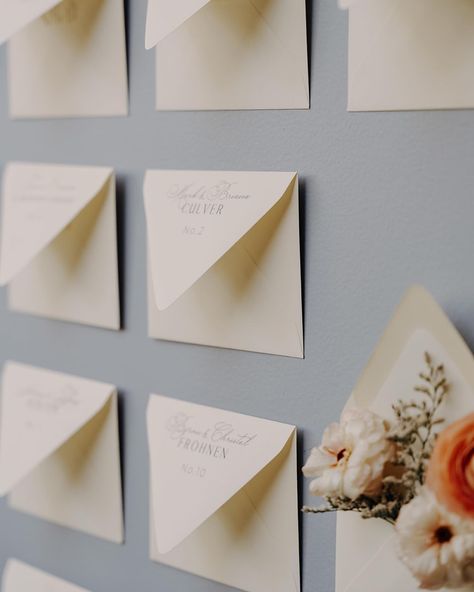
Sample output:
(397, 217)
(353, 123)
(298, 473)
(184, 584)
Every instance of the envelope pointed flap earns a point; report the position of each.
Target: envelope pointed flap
(200, 458)
(165, 16)
(15, 15)
(40, 411)
(195, 217)
(419, 324)
(39, 201)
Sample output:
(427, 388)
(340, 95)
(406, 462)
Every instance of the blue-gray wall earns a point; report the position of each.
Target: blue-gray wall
(388, 200)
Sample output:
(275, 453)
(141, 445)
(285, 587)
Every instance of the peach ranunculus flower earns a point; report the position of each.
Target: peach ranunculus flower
(451, 468)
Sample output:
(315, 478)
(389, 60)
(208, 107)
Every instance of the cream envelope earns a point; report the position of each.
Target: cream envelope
(20, 577)
(58, 243)
(224, 501)
(419, 326)
(224, 259)
(59, 450)
(410, 55)
(66, 58)
(229, 54)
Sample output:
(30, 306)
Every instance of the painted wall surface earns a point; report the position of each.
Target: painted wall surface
(387, 200)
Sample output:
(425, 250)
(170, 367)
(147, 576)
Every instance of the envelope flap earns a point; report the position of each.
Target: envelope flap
(201, 457)
(15, 15)
(195, 217)
(165, 16)
(40, 411)
(39, 201)
(418, 312)
(20, 577)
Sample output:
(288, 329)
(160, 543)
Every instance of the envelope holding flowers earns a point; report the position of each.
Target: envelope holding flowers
(406, 54)
(401, 459)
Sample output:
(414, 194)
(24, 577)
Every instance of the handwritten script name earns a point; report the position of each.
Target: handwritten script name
(193, 199)
(214, 441)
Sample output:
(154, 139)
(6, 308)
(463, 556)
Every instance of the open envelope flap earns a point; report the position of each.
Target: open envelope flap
(195, 217)
(40, 411)
(164, 16)
(200, 457)
(417, 311)
(15, 15)
(39, 201)
(20, 577)
(419, 326)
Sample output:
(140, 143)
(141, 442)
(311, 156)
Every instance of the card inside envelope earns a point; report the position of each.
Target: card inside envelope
(59, 450)
(224, 259)
(58, 243)
(223, 494)
(418, 326)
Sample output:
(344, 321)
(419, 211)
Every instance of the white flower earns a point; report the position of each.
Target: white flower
(435, 545)
(352, 457)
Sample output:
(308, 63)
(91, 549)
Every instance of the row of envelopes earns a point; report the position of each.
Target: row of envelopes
(68, 57)
(60, 461)
(223, 253)
(223, 486)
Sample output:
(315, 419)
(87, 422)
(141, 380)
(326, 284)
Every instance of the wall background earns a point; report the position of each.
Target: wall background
(388, 200)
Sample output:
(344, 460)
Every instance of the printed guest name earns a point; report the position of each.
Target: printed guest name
(204, 448)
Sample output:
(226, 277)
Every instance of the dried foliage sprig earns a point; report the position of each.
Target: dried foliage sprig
(414, 435)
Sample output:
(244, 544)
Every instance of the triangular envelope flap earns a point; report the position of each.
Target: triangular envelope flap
(165, 16)
(418, 310)
(15, 14)
(40, 411)
(20, 577)
(201, 457)
(39, 201)
(195, 217)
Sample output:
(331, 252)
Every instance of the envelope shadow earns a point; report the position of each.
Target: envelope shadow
(256, 243)
(121, 242)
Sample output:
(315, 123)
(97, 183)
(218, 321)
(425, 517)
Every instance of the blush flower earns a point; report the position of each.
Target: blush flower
(451, 468)
(351, 459)
(435, 545)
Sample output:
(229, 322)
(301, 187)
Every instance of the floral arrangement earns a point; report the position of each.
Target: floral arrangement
(409, 472)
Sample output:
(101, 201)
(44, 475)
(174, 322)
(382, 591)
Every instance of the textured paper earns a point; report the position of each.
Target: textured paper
(58, 243)
(250, 54)
(223, 494)
(65, 59)
(20, 577)
(59, 449)
(224, 259)
(419, 325)
(410, 55)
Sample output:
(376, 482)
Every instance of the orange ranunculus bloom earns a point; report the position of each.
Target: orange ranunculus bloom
(451, 468)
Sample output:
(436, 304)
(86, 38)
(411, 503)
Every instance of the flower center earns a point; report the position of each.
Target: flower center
(443, 535)
(343, 455)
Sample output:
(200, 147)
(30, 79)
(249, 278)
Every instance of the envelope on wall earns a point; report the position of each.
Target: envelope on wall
(418, 326)
(410, 55)
(20, 577)
(224, 259)
(223, 496)
(58, 243)
(59, 450)
(229, 54)
(65, 58)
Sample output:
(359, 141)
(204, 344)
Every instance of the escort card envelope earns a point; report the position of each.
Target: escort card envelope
(66, 58)
(58, 243)
(59, 450)
(224, 259)
(229, 54)
(410, 55)
(419, 326)
(20, 577)
(224, 501)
